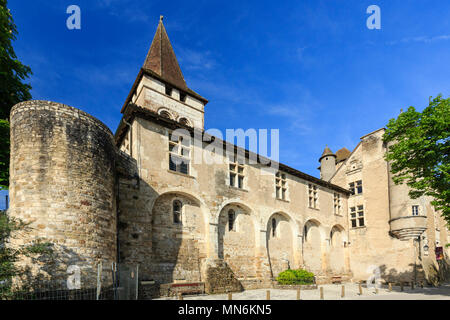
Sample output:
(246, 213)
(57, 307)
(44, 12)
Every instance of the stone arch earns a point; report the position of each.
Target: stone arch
(337, 256)
(280, 243)
(164, 112)
(177, 248)
(185, 121)
(313, 245)
(237, 246)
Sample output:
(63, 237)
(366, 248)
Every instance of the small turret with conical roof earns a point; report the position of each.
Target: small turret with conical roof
(327, 164)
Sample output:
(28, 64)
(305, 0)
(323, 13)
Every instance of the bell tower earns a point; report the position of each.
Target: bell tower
(160, 85)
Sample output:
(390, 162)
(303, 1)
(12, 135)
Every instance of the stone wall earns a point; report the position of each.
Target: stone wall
(62, 182)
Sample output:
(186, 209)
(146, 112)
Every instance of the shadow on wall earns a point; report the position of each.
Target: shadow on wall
(57, 272)
(236, 240)
(163, 233)
(430, 272)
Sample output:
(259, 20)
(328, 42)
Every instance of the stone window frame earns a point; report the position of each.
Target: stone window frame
(356, 215)
(164, 112)
(237, 170)
(337, 204)
(185, 121)
(415, 210)
(356, 187)
(313, 196)
(179, 150)
(168, 89)
(281, 185)
(180, 213)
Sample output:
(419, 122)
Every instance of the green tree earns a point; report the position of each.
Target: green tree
(12, 88)
(418, 151)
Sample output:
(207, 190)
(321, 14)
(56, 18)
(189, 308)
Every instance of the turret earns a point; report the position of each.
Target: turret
(327, 164)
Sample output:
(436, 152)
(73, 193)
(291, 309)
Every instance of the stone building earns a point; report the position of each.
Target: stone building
(230, 225)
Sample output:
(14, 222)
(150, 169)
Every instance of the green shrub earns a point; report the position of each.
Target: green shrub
(298, 276)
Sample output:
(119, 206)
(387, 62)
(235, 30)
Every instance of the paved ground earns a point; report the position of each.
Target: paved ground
(333, 292)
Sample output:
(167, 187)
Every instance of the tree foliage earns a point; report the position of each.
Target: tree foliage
(12, 88)
(418, 152)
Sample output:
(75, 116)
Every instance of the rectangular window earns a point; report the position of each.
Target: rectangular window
(168, 90)
(352, 188)
(280, 186)
(357, 216)
(356, 187)
(337, 204)
(179, 153)
(236, 171)
(359, 189)
(353, 217)
(415, 210)
(361, 216)
(313, 196)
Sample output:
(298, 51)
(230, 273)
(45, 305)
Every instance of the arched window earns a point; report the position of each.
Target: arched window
(274, 227)
(165, 114)
(176, 210)
(231, 219)
(184, 121)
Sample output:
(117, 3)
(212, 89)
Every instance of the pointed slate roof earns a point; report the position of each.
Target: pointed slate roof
(327, 152)
(161, 63)
(161, 58)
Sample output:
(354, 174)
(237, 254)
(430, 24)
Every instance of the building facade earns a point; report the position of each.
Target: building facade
(140, 196)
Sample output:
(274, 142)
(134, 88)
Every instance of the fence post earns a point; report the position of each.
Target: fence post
(230, 297)
(298, 294)
(360, 288)
(401, 286)
(268, 295)
(99, 279)
(343, 292)
(321, 293)
(390, 287)
(137, 282)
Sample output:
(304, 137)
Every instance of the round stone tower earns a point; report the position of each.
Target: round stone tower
(327, 164)
(62, 178)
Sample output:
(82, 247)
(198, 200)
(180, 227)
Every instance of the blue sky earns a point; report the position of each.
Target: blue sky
(310, 68)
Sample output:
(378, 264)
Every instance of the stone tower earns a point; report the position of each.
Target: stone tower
(63, 183)
(327, 164)
(160, 85)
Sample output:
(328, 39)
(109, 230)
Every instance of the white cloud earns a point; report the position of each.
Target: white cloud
(422, 39)
(196, 60)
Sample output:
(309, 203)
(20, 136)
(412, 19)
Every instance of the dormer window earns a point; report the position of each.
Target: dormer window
(182, 96)
(168, 90)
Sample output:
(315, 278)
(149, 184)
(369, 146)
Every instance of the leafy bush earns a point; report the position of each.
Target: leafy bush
(298, 276)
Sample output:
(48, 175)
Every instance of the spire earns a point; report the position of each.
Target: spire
(162, 60)
(327, 152)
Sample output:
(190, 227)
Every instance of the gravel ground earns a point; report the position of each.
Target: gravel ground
(333, 292)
